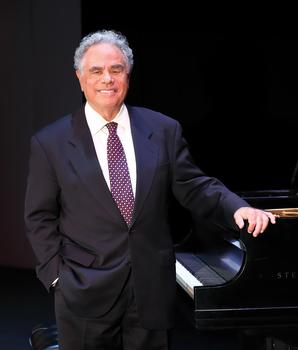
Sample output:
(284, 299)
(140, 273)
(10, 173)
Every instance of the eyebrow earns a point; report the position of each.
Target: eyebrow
(114, 66)
(94, 68)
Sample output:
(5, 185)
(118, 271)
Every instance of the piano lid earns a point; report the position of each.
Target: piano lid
(275, 198)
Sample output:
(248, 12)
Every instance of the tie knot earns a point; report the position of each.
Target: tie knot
(112, 127)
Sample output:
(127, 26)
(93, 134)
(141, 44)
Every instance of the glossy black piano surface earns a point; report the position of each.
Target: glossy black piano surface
(246, 282)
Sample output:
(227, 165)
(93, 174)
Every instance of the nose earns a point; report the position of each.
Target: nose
(107, 78)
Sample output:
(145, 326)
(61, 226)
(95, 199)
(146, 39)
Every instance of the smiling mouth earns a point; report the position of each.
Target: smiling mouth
(106, 91)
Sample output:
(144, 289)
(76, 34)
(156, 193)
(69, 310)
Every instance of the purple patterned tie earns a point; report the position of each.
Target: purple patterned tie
(120, 183)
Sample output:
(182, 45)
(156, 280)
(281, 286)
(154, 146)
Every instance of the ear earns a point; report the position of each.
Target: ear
(80, 76)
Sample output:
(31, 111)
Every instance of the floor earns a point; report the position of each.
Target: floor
(25, 304)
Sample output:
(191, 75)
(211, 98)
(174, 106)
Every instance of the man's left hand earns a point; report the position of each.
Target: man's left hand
(258, 219)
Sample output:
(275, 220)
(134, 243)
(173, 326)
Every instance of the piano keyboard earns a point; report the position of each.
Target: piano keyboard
(186, 280)
(191, 271)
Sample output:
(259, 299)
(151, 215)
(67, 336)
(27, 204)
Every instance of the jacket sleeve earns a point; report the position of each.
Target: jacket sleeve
(42, 210)
(204, 196)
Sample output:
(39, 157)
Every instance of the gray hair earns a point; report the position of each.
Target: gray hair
(103, 36)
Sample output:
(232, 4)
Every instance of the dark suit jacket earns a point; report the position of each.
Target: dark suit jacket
(78, 233)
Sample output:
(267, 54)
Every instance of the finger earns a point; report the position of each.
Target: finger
(271, 217)
(262, 222)
(265, 223)
(258, 226)
(251, 226)
(239, 221)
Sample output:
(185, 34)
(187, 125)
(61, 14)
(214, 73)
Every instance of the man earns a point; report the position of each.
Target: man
(110, 259)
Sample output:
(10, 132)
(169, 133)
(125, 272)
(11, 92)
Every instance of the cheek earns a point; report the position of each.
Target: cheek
(88, 88)
(82, 84)
(124, 87)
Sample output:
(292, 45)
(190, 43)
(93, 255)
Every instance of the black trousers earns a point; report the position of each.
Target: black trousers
(119, 329)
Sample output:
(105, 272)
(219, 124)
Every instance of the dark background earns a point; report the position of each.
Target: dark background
(230, 81)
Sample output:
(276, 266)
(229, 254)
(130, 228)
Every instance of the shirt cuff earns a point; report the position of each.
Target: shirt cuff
(54, 283)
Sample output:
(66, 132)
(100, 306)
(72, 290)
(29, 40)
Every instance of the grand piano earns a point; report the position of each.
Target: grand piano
(231, 280)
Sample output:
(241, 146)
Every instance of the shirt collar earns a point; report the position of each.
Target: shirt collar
(97, 123)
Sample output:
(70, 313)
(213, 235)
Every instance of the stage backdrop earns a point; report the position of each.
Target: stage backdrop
(233, 87)
(37, 40)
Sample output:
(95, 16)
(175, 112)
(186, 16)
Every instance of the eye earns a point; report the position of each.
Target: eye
(95, 71)
(117, 69)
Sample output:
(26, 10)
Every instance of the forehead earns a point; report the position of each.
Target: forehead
(103, 54)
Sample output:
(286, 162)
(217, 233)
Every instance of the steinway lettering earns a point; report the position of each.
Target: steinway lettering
(286, 275)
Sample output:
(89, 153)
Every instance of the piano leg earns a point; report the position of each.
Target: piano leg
(276, 344)
(256, 340)
(250, 340)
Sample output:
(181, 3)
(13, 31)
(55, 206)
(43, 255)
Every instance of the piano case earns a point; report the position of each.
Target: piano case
(227, 282)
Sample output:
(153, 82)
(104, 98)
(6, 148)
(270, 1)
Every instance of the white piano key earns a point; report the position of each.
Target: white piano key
(186, 280)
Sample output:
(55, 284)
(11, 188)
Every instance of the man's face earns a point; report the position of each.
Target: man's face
(104, 78)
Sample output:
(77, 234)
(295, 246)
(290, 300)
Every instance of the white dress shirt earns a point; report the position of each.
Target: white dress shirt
(99, 132)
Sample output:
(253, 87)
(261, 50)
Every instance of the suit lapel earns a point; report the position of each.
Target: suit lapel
(83, 158)
(146, 157)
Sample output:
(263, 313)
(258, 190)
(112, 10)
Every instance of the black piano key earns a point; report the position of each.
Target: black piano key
(199, 269)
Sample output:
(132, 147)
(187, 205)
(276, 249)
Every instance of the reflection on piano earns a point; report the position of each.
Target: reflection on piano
(229, 282)
(208, 268)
